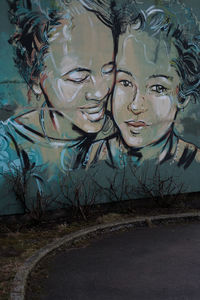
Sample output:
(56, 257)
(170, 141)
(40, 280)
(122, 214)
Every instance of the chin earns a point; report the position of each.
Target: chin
(94, 127)
(133, 142)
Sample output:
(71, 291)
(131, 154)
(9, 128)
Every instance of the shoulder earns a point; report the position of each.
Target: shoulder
(6, 136)
(11, 137)
(16, 149)
(8, 146)
(186, 153)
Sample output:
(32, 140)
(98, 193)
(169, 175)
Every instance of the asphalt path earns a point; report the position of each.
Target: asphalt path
(147, 263)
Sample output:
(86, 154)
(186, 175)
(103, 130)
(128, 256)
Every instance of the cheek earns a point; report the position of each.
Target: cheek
(70, 93)
(109, 79)
(63, 92)
(163, 107)
(120, 101)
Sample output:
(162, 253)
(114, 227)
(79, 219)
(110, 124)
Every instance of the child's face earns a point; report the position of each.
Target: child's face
(146, 93)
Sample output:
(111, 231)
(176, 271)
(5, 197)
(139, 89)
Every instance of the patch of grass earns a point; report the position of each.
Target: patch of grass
(111, 217)
(16, 247)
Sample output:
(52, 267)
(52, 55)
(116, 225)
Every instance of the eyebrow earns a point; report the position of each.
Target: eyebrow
(77, 70)
(124, 71)
(161, 75)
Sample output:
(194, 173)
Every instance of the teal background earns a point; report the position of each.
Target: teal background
(13, 90)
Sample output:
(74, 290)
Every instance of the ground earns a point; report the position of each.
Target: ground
(20, 240)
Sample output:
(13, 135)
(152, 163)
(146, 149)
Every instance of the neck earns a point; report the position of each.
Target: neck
(41, 123)
(53, 125)
(161, 150)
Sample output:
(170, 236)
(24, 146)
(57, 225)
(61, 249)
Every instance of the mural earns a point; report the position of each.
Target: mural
(157, 77)
(103, 87)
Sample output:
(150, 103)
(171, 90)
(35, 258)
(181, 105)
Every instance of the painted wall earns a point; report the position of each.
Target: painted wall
(97, 102)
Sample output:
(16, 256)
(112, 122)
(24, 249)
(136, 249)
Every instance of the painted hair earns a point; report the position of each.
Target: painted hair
(177, 25)
(35, 21)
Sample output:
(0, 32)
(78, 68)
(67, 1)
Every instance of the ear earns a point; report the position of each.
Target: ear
(184, 103)
(37, 90)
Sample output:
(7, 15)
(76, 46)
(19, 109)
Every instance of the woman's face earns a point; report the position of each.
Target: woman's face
(79, 71)
(145, 97)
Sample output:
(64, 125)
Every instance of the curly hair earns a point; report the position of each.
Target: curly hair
(35, 21)
(177, 25)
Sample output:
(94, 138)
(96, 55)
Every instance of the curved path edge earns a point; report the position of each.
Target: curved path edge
(19, 282)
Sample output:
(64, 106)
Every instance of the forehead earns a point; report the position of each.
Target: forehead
(88, 41)
(145, 55)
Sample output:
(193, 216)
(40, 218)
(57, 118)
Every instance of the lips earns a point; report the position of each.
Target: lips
(93, 113)
(136, 124)
(136, 127)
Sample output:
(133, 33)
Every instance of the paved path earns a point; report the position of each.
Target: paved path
(147, 263)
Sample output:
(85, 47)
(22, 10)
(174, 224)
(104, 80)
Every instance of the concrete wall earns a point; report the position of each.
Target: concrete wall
(71, 132)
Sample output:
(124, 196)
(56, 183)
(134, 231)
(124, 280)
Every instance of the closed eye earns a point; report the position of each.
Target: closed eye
(77, 76)
(108, 68)
(77, 79)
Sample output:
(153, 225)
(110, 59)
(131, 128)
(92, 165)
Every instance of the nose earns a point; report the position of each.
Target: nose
(98, 89)
(137, 104)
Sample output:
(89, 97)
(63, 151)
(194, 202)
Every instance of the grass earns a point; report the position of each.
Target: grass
(16, 247)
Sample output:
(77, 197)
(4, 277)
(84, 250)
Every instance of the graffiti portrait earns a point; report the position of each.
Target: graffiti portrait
(110, 86)
(64, 51)
(157, 77)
